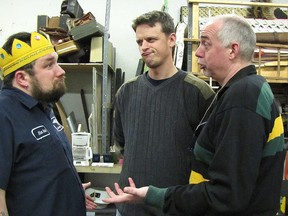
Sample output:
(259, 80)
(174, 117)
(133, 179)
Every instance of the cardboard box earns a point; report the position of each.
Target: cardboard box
(87, 30)
(96, 51)
(63, 21)
(42, 21)
(67, 47)
(54, 22)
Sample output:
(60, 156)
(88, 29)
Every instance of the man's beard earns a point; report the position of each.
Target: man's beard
(58, 90)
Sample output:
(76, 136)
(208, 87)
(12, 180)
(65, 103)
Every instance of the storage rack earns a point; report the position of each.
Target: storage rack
(97, 81)
(106, 100)
(193, 39)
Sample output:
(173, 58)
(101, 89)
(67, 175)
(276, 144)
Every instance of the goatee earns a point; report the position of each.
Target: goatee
(51, 96)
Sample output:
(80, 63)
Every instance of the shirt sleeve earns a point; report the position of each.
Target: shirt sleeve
(155, 197)
(6, 151)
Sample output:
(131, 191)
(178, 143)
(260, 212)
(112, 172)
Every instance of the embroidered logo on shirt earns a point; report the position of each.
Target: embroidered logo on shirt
(40, 132)
(56, 124)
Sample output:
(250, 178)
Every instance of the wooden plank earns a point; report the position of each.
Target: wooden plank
(264, 4)
(63, 117)
(116, 169)
(272, 45)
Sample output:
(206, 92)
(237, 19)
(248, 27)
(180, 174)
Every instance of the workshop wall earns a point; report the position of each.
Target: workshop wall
(18, 15)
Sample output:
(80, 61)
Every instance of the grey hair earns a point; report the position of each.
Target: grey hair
(236, 29)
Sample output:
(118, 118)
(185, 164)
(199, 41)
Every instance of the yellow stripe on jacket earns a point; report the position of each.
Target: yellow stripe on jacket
(196, 178)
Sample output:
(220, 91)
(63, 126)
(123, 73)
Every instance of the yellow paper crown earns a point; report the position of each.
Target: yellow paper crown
(23, 54)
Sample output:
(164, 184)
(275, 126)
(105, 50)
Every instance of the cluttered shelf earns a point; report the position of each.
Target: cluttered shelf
(116, 169)
(271, 61)
(271, 53)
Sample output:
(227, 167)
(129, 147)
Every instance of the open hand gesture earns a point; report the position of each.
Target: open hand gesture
(129, 194)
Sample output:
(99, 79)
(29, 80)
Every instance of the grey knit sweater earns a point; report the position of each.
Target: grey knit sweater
(155, 125)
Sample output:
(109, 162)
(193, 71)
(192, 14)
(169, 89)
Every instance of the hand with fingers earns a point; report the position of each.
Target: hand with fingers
(129, 194)
(90, 204)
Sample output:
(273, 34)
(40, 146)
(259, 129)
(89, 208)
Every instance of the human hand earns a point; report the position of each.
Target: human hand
(89, 201)
(128, 194)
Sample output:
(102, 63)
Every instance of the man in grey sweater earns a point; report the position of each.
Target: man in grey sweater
(157, 113)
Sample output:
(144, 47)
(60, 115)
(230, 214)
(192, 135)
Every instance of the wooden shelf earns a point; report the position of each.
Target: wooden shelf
(86, 67)
(237, 3)
(93, 169)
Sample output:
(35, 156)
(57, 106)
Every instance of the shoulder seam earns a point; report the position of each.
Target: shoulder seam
(203, 87)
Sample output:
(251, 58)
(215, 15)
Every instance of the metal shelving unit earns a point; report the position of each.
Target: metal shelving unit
(193, 37)
(106, 100)
(89, 77)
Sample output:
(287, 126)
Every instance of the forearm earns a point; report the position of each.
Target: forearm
(177, 199)
(3, 207)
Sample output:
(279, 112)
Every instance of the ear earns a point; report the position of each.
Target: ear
(172, 39)
(234, 50)
(22, 78)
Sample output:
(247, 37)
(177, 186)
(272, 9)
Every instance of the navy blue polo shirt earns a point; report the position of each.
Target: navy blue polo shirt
(36, 164)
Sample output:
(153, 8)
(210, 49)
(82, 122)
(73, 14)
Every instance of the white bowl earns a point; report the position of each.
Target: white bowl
(98, 194)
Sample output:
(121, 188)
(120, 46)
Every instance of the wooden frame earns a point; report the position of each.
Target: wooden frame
(276, 71)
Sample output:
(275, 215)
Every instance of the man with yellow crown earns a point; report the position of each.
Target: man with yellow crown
(37, 176)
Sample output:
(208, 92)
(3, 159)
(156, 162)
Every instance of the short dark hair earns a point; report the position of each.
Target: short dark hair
(153, 17)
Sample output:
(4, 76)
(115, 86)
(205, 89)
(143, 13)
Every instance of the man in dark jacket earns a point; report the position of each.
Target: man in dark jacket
(37, 174)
